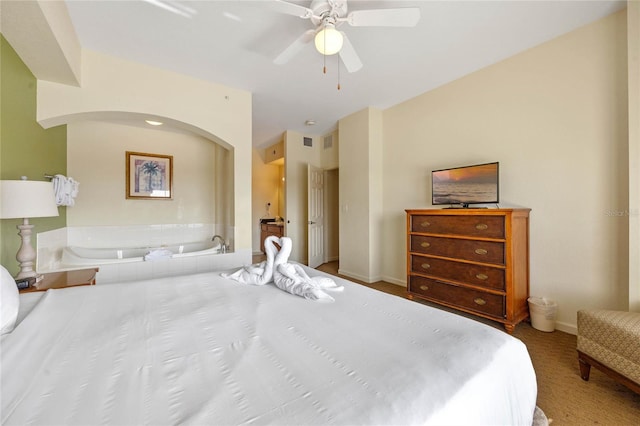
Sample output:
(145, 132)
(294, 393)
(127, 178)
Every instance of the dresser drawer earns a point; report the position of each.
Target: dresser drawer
(272, 229)
(479, 275)
(469, 299)
(470, 226)
(478, 251)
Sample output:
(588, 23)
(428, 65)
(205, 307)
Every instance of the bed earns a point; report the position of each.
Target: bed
(202, 349)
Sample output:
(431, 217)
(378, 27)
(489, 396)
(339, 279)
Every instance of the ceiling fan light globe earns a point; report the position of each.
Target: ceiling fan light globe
(329, 41)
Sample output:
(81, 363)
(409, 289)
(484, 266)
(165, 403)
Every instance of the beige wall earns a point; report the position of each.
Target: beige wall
(266, 188)
(633, 31)
(96, 158)
(291, 190)
(42, 33)
(330, 163)
(329, 156)
(297, 157)
(290, 185)
(332, 215)
(354, 196)
(555, 117)
(282, 187)
(376, 201)
(361, 178)
(113, 86)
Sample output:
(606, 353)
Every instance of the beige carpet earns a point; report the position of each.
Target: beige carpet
(563, 396)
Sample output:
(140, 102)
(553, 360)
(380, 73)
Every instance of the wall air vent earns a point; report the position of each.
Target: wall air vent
(328, 141)
(308, 141)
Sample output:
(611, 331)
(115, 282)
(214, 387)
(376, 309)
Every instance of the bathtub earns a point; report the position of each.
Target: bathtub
(74, 256)
(119, 251)
(126, 264)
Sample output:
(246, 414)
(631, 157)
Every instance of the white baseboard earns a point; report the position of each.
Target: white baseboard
(561, 326)
(358, 276)
(370, 280)
(395, 281)
(567, 328)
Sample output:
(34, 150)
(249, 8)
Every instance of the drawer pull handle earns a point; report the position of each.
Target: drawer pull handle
(481, 226)
(425, 244)
(482, 276)
(425, 224)
(424, 287)
(425, 266)
(479, 301)
(481, 251)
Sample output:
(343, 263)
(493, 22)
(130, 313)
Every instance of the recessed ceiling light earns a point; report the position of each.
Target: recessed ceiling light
(154, 123)
(310, 122)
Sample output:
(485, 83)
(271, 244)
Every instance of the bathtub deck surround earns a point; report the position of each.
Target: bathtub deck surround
(119, 251)
(177, 265)
(75, 256)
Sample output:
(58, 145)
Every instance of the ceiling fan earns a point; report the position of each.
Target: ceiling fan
(328, 15)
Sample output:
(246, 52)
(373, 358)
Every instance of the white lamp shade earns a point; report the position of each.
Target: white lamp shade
(329, 40)
(27, 199)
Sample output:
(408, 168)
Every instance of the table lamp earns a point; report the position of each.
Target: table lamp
(24, 199)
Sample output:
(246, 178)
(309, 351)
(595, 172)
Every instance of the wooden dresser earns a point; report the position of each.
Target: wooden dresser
(473, 260)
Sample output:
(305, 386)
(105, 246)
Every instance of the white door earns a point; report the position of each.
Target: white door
(315, 215)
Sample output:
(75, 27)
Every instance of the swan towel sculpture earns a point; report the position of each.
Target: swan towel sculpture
(258, 273)
(287, 276)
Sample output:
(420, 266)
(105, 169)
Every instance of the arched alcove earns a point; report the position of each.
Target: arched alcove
(103, 216)
(124, 93)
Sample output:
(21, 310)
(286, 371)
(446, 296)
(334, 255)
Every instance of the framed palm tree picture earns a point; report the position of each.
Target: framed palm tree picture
(149, 176)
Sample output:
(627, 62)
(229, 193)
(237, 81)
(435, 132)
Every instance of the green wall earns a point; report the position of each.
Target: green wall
(26, 149)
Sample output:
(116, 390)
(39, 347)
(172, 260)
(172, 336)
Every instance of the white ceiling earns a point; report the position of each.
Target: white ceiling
(234, 43)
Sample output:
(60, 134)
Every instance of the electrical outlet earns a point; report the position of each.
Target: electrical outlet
(23, 283)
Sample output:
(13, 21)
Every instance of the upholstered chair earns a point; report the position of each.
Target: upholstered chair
(610, 341)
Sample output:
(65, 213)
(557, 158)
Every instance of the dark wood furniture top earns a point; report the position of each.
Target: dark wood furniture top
(53, 280)
(269, 229)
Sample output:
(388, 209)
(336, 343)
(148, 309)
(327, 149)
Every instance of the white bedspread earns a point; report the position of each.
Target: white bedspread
(202, 349)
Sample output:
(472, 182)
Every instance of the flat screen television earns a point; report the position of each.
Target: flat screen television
(477, 184)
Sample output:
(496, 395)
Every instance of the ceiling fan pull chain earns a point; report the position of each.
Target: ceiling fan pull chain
(338, 58)
(324, 55)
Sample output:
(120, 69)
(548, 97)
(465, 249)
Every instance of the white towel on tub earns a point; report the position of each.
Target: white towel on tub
(158, 254)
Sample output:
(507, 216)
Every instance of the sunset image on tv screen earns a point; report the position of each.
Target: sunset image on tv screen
(466, 185)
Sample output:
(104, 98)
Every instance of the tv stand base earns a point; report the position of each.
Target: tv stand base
(464, 206)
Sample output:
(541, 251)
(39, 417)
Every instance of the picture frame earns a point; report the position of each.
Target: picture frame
(149, 176)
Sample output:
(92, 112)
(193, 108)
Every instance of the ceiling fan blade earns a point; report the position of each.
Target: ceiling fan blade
(349, 56)
(405, 17)
(292, 9)
(294, 47)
